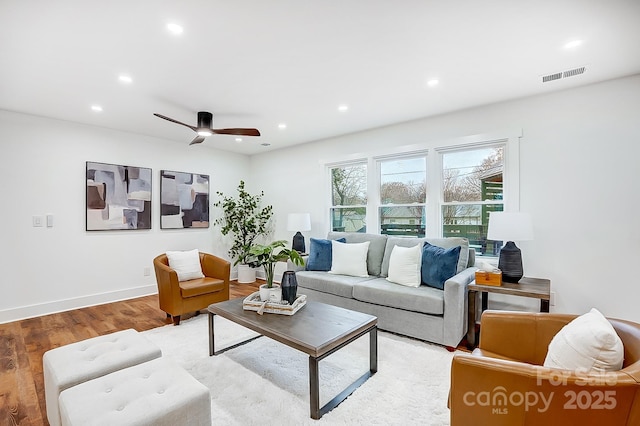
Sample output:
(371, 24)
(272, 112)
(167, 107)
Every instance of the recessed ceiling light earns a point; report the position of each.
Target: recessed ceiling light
(433, 82)
(175, 28)
(573, 44)
(343, 108)
(123, 78)
(96, 108)
(282, 126)
(238, 140)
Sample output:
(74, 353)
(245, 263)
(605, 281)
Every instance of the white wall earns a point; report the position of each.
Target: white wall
(42, 169)
(579, 178)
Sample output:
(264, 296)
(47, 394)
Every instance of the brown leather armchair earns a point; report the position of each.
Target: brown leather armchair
(177, 298)
(503, 382)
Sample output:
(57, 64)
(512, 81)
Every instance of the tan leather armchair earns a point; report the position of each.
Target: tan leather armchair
(503, 381)
(177, 298)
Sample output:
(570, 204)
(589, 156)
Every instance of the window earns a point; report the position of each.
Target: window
(437, 191)
(472, 186)
(349, 198)
(403, 196)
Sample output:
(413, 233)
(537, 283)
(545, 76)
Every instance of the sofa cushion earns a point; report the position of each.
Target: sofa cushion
(438, 264)
(423, 299)
(349, 259)
(589, 344)
(472, 257)
(463, 260)
(391, 243)
(405, 264)
(320, 254)
(339, 285)
(377, 244)
(200, 286)
(186, 264)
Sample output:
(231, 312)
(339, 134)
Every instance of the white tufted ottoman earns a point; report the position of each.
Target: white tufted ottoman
(157, 393)
(79, 362)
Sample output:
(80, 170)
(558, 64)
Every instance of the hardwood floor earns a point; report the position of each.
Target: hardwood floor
(22, 344)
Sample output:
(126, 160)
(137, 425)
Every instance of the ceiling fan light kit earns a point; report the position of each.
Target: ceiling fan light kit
(204, 127)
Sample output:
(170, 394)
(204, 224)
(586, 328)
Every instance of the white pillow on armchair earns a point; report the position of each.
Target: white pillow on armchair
(589, 343)
(186, 264)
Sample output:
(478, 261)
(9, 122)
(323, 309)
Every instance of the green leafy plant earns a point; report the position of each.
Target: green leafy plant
(268, 255)
(243, 217)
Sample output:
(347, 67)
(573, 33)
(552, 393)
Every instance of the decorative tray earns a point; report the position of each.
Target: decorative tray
(253, 303)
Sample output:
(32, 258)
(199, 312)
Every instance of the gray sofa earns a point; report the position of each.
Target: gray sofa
(426, 313)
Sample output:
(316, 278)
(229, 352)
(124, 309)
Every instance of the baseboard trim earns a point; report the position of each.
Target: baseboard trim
(24, 312)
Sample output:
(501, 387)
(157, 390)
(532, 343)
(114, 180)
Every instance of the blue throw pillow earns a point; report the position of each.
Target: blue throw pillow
(320, 254)
(438, 264)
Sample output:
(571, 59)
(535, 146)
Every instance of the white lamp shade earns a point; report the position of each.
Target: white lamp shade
(299, 222)
(510, 226)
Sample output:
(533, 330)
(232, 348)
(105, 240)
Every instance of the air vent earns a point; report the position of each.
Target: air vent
(552, 77)
(573, 72)
(563, 74)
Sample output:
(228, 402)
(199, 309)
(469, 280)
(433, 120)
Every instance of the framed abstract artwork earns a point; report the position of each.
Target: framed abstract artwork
(118, 197)
(184, 200)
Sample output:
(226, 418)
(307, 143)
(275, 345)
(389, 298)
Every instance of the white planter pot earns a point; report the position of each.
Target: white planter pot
(273, 294)
(246, 274)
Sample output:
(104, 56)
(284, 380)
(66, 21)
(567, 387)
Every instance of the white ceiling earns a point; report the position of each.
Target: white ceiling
(258, 63)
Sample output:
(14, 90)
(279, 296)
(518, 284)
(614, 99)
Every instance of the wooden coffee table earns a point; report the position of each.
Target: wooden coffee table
(317, 329)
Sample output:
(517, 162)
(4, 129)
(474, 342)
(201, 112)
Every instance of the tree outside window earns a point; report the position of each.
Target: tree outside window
(472, 186)
(403, 201)
(403, 195)
(349, 198)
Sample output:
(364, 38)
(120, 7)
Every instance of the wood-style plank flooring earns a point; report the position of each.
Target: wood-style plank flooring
(22, 344)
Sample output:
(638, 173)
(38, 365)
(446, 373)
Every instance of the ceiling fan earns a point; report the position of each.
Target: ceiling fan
(204, 129)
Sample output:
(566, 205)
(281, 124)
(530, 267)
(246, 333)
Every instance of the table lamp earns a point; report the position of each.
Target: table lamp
(510, 226)
(298, 222)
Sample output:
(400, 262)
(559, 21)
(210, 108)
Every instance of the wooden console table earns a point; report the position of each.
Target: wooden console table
(538, 288)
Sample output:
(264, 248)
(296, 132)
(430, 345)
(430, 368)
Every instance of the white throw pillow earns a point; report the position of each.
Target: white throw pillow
(349, 259)
(404, 265)
(589, 343)
(186, 264)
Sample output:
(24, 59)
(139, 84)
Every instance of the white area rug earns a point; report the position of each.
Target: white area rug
(266, 382)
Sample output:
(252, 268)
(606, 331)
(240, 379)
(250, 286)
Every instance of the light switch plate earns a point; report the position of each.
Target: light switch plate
(49, 220)
(37, 220)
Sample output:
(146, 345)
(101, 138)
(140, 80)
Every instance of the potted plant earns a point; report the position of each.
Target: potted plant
(267, 256)
(246, 220)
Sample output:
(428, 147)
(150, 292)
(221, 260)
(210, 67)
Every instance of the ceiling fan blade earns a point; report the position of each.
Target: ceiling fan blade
(175, 121)
(239, 132)
(198, 139)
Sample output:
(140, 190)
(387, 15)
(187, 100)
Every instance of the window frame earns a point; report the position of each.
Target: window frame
(510, 177)
(502, 143)
(378, 160)
(509, 139)
(329, 168)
